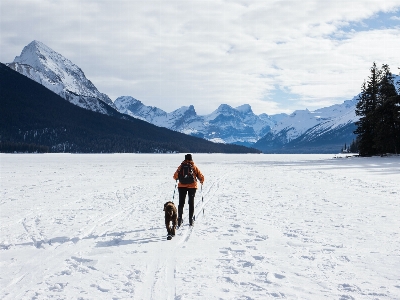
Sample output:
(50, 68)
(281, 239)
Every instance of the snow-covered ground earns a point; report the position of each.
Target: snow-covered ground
(274, 226)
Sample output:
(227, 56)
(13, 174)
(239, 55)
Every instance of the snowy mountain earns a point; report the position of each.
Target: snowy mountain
(321, 131)
(325, 129)
(33, 118)
(237, 125)
(60, 75)
(241, 126)
(226, 124)
(154, 115)
(311, 131)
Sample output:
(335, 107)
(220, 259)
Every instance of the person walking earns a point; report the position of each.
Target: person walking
(187, 174)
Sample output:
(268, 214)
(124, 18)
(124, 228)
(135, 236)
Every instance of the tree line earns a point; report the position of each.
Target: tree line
(378, 129)
(352, 148)
(19, 147)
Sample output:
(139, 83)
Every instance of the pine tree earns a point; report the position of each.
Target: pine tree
(354, 146)
(378, 129)
(396, 104)
(365, 108)
(385, 113)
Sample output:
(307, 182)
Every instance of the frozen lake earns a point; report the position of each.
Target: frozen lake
(79, 226)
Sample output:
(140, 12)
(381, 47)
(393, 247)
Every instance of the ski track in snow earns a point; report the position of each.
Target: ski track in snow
(269, 227)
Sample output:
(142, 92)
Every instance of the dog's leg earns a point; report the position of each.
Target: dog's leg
(174, 223)
(167, 226)
(173, 230)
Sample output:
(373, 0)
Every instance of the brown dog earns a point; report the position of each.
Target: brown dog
(171, 216)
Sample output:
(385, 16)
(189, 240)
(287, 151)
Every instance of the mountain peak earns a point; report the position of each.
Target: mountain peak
(185, 110)
(39, 45)
(245, 108)
(224, 108)
(34, 54)
(59, 74)
(223, 105)
(126, 100)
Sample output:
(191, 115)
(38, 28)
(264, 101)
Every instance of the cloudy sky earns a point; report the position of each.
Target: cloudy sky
(276, 55)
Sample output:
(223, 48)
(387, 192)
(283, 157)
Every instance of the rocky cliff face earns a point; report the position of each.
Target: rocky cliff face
(225, 125)
(60, 75)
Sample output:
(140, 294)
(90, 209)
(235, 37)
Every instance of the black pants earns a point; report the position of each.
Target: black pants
(182, 196)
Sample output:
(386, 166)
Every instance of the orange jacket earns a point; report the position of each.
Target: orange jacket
(197, 173)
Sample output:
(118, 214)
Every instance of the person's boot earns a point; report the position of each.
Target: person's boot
(191, 220)
(191, 217)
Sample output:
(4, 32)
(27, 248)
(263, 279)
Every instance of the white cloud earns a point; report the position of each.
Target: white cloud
(174, 53)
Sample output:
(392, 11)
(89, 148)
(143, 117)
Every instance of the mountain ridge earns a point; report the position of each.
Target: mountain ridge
(239, 125)
(31, 114)
(226, 124)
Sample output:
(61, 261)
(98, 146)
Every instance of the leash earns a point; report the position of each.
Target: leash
(202, 197)
(202, 200)
(173, 196)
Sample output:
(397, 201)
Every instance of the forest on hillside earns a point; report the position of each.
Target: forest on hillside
(34, 119)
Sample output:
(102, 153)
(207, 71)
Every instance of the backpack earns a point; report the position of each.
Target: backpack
(186, 174)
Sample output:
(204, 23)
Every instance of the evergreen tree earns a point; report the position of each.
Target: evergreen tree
(385, 113)
(354, 146)
(398, 84)
(378, 129)
(396, 118)
(365, 108)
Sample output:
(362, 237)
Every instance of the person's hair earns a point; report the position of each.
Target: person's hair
(188, 157)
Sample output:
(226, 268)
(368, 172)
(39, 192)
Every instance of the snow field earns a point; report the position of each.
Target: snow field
(274, 226)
